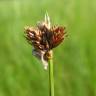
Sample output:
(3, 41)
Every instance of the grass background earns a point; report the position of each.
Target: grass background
(21, 74)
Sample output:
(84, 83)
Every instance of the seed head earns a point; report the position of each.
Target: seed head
(44, 38)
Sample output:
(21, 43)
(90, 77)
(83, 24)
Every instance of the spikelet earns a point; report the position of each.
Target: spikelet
(44, 38)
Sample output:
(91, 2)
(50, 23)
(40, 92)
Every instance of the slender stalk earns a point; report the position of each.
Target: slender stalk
(51, 77)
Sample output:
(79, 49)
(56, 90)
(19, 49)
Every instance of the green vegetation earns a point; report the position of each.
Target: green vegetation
(21, 74)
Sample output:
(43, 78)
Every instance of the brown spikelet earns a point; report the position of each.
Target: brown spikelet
(44, 38)
(58, 35)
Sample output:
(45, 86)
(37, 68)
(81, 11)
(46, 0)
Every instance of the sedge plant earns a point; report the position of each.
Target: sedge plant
(44, 38)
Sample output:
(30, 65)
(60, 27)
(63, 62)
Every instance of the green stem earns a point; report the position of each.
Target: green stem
(51, 77)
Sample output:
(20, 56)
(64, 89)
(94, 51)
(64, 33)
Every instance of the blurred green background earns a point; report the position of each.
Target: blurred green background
(21, 74)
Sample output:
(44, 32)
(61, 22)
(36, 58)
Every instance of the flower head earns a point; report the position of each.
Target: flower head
(44, 38)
